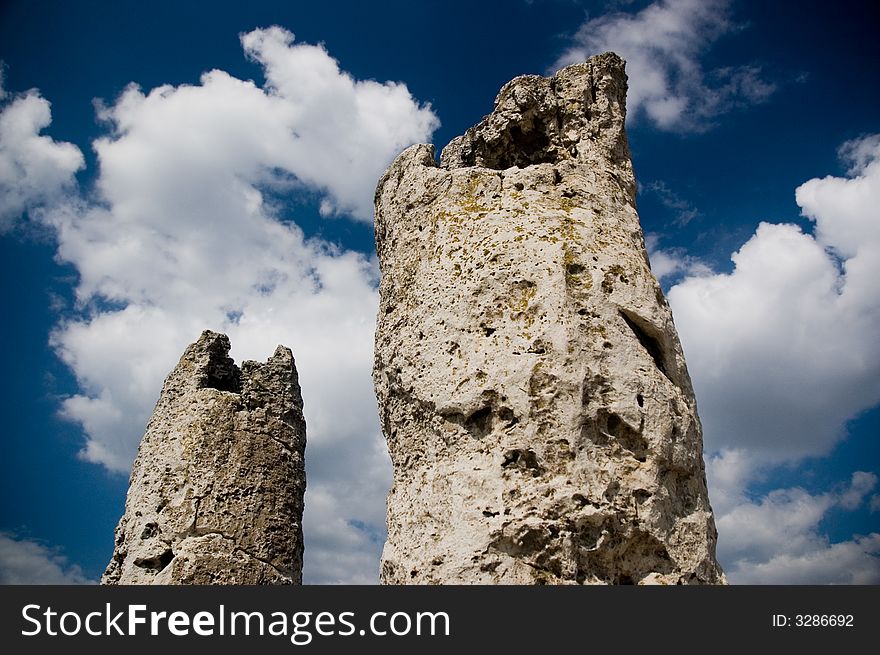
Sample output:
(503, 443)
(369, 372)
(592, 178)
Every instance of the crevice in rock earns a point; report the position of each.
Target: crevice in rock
(523, 147)
(220, 371)
(538, 347)
(608, 428)
(532, 138)
(595, 388)
(281, 570)
(650, 343)
(521, 541)
(237, 548)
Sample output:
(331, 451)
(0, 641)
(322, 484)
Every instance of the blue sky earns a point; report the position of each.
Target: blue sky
(230, 189)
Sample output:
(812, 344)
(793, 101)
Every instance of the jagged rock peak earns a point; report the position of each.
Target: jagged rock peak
(531, 385)
(216, 491)
(578, 114)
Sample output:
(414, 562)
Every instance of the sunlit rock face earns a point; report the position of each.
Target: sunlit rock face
(531, 385)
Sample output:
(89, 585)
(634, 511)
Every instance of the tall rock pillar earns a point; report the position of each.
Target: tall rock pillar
(531, 384)
(216, 492)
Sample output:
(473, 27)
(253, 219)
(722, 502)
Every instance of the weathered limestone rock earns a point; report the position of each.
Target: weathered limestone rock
(216, 492)
(531, 385)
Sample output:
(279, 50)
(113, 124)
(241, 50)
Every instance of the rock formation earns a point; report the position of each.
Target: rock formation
(531, 385)
(216, 492)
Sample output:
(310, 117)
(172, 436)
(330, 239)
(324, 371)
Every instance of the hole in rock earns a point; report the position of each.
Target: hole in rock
(506, 414)
(155, 564)
(522, 458)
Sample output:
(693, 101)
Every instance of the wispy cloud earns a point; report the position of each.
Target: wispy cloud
(663, 46)
(684, 211)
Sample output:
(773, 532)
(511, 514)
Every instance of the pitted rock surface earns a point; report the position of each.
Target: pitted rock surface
(532, 389)
(216, 491)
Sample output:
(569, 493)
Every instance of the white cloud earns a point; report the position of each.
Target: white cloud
(848, 562)
(728, 474)
(777, 539)
(862, 484)
(662, 45)
(346, 131)
(34, 169)
(664, 263)
(786, 348)
(186, 232)
(784, 520)
(23, 561)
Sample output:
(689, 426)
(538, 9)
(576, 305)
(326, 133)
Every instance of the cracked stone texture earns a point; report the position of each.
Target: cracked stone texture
(531, 385)
(216, 491)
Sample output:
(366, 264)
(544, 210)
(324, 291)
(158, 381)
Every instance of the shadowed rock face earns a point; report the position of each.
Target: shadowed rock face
(216, 491)
(531, 384)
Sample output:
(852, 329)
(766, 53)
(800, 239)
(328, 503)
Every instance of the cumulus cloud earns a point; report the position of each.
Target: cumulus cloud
(786, 348)
(34, 169)
(345, 131)
(783, 351)
(24, 561)
(187, 230)
(662, 45)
